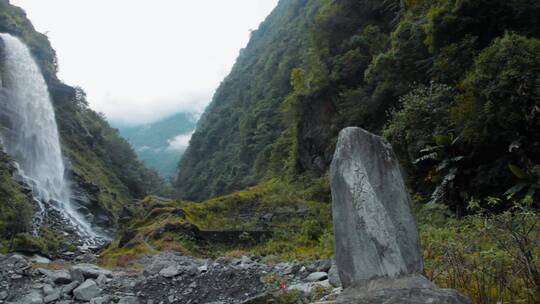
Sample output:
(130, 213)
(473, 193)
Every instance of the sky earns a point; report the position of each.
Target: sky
(142, 60)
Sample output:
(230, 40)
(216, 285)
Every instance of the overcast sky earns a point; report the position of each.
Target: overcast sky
(141, 60)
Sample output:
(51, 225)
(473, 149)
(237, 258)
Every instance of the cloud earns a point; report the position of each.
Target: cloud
(179, 143)
(140, 60)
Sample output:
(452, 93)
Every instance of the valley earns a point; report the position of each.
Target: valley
(358, 151)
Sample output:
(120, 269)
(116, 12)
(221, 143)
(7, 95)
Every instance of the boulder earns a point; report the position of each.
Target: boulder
(87, 291)
(170, 271)
(316, 276)
(377, 245)
(33, 297)
(90, 271)
(129, 300)
(408, 289)
(333, 276)
(375, 232)
(58, 276)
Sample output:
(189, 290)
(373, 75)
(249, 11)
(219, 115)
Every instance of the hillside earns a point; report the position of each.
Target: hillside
(231, 148)
(424, 73)
(160, 144)
(103, 168)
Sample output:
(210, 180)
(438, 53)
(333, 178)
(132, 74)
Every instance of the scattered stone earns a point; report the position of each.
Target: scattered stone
(409, 289)
(170, 271)
(87, 291)
(33, 297)
(58, 276)
(310, 287)
(91, 271)
(317, 276)
(375, 232)
(101, 280)
(129, 300)
(333, 276)
(40, 260)
(53, 296)
(67, 289)
(203, 268)
(76, 275)
(100, 300)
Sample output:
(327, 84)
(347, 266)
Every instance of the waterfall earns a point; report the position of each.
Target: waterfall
(30, 135)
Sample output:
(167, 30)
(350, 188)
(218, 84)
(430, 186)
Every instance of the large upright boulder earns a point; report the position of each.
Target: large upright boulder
(377, 245)
(375, 232)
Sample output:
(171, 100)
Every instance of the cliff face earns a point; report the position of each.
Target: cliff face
(102, 166)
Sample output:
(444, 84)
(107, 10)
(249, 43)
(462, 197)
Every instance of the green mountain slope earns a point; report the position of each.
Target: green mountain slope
(452, 84)
(160, 144)
(231, 147)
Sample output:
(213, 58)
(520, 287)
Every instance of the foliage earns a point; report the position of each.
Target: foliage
(491, 258)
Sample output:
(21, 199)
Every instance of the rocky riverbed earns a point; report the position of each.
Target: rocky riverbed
(164, 278)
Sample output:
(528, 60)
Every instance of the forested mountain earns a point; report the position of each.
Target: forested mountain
(103, 168)
(454, 85)
(231, 147)
(160, 144)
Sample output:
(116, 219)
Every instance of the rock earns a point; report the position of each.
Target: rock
(316, 276)
(87, 291)
(333, 276)
(58, 276)
(101, 280)
(67, 289)
(375, 232)
(39, 259)
(129, 300)
(410, 289)
(100, 300)
(90, 271)
(170, 271)
(53, 296)
(76, 275)
(310, 287)
(3, 295)
(33, 297)
(203, 268)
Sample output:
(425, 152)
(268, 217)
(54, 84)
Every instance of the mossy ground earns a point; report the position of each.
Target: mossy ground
(474, 254)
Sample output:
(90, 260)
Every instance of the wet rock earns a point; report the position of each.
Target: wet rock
(316, 276)
(87, 291)
(375, 232)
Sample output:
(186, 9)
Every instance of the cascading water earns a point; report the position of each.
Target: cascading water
(31, 137)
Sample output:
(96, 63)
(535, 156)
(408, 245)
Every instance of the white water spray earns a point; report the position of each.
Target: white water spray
(31, 136)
